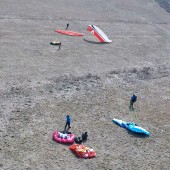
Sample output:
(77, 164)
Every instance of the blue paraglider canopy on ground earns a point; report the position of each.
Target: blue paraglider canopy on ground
(131, 127)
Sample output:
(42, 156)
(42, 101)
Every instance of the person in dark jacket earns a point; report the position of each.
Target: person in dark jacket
(59, 46)
(67, 26)
(84, 136)
(68, 121)
(132, 101)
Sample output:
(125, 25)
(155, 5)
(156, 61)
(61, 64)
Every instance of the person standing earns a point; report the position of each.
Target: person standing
(132, 101)
(67, 26)
(59, 46)
(68, 121)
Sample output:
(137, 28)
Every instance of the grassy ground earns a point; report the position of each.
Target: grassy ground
(91, 82)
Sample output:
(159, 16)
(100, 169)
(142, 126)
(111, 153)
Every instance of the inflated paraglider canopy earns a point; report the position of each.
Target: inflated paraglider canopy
(62, 137)
(71, 33)
(98, 33)
(82, 151)
(131, 127)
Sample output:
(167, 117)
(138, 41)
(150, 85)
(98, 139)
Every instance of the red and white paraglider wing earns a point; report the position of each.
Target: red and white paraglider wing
(98, 33)
(82, 151)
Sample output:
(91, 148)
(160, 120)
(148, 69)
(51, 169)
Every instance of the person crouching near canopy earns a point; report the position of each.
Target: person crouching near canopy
(68, 121)
(84, 136)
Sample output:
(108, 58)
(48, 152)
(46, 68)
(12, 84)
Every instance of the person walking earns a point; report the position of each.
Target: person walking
(68, 121)
(132, 101)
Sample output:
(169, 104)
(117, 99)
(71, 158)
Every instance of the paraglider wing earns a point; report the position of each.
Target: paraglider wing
(98, 33)
(82, 151)
(131, 126)
(70, 33)
(137, 129)
(118, 122)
